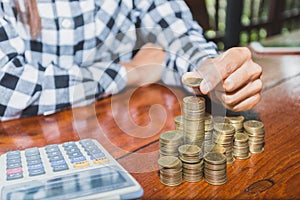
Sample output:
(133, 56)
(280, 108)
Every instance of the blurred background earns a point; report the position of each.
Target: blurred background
(238, 22)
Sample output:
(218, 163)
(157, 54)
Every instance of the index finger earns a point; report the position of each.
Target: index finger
(231, 60)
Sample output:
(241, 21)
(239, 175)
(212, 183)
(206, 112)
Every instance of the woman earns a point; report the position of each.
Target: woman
(59, 54)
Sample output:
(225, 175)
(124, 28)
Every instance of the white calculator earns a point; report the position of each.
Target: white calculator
(73, 170)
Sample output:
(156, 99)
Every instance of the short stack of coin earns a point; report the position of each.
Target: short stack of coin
(236, 122)
(169, 142)
(193, 120)
(179, 123)
(215, 168)
(191, 162)
(223, 135)
(208, 129)
(256, 132)
(241, 146)
(170, 170)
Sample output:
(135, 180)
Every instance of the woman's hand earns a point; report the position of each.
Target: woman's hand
(146, 67)
(233, 78)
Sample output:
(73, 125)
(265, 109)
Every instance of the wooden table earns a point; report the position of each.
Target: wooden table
(129, 124)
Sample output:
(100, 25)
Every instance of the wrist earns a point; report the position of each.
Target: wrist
(131, 73)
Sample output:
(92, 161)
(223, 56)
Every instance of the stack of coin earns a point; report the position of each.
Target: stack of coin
(169, 142)
(192, 172)
(191, 162)
(256, 132)
(236, 122)
(170, 170)
(223, 135)
(179, 123)
(241, 146)
(193, 120)
(189, 153)
(208, 129)
(215, 168)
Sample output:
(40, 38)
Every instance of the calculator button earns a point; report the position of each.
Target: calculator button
(86, 142)
(16, 157)
(100, 161)
(34, 162)
(13, 165)
(34, 167)
(35, 157)
(32, 152)
(36, 172)
(94, 151)
(97, 156)
(55, 158)
(13, 155)
(75, 154)
(89, 145)
(81, 164)
(54, 153)
(73, 150)
(59, 168)
(51, 148)
(14, 176)
(77, 159)
(59, 162)
(69, 145)
(14, 170)
(15, 160)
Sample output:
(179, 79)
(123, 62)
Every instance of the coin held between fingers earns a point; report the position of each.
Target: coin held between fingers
(193, 82)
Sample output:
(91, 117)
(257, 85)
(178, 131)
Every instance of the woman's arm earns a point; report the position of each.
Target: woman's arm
(31, 89)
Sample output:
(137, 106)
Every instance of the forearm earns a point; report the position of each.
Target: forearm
(28, 91)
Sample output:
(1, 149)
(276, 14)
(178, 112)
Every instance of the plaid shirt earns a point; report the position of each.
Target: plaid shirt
(75, 58)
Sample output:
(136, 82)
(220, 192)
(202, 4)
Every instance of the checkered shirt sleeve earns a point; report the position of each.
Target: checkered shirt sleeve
(169, 23)
(74, 61)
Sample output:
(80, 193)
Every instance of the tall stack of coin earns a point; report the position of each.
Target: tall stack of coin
(236, 122)
(223, 135)
(256, 132)
(241, 146)
(170, 170)
(215, 168)
(193, 120)
(191, 163)
(169, 142)
(179, 123)
(208, 129)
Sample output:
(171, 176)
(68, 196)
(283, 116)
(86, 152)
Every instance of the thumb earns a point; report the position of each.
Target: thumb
(211, 76)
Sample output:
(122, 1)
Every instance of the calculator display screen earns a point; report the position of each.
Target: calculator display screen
(73, 185)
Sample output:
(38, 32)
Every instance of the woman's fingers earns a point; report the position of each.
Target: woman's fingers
(247, 104)
(234, 98)
(248, 72)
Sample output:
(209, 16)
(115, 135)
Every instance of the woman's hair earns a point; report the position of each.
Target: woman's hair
(31, 18)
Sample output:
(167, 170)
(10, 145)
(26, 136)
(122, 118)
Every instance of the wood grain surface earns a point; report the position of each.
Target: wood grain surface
(129, 124)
